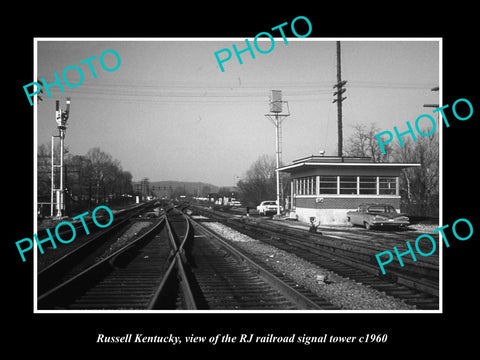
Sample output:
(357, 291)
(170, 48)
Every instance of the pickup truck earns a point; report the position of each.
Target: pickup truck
(266, 207)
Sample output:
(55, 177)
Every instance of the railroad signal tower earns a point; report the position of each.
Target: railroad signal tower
(276, 117)
(61, 118)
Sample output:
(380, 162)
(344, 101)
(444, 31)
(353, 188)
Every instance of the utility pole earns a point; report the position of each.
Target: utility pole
(340, 90)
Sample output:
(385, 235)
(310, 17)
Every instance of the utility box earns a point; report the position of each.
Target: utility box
(276, 101)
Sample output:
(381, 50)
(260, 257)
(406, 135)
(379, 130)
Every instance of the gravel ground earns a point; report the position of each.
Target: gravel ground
(424, 228)
(128, 236)
(124, 235)
(343, 292)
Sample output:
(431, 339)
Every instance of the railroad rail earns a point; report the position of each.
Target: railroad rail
(124, 280)
(179, 264)
(76, 260)
(416, 286)
(119, 216)
(230, 279)
(175, 290)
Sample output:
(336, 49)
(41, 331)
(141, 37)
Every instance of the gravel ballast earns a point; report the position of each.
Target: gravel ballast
(343, 292)
(128, 236)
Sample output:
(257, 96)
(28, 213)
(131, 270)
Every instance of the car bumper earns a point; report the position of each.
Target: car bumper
(272, 210)
(390, 223)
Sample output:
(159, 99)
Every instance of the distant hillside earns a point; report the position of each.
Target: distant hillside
(167, 188)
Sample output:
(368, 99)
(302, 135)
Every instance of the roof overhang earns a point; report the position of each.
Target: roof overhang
(304, 165)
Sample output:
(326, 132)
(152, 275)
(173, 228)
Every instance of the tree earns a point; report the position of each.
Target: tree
(95, 175)
(225, 191)
(363, 143)
(102, 171)
(44, 171)
(205, 190)
(419, 186)
(79, 178)
(124, 183)
(179, 190)
(260, 181)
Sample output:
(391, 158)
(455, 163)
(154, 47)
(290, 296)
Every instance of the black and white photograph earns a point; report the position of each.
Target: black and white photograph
(241, 181)
(260, 187)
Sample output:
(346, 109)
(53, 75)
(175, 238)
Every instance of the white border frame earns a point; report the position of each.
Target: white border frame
(316, 39)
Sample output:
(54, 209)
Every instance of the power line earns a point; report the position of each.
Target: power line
(207, 93)
(185, 85)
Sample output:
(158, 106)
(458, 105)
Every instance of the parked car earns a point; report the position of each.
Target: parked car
(266, 207)
(377, 215)
(235, 203)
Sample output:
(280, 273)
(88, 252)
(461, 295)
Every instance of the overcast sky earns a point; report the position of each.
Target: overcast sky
(169, 113)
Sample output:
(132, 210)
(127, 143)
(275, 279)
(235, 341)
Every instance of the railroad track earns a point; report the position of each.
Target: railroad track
(126, 279)
(120, 216)
(229, 279)
(70, 263)
(178, 264)
(419, 289)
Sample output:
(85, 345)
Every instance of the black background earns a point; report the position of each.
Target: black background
(62, 335)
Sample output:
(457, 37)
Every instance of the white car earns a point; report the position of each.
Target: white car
(268, 207)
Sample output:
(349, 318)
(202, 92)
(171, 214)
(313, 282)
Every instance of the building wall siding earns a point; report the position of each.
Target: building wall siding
(333, 210)
(344, 202)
